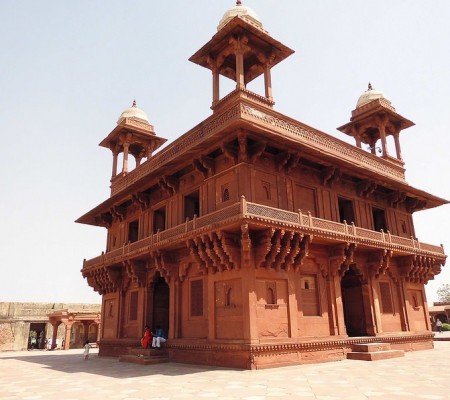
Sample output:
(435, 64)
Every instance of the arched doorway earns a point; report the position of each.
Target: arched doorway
(161, 304)
(352, 298)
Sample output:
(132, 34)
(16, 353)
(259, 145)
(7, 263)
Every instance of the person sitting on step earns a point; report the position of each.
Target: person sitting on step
(159, 337)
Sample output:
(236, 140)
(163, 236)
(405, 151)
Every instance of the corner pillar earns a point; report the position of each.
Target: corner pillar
(216, 86)
(268, 81)
(67, 335)
(375, 301)
(55, 334)
(397, 144)
(334, 288)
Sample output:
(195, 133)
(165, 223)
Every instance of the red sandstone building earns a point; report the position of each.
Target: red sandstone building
(254, 239)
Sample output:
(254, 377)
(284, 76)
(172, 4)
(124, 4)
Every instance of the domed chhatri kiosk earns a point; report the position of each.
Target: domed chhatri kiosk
(255, 240)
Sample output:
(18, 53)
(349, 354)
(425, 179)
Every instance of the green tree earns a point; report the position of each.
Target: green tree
(444, 292)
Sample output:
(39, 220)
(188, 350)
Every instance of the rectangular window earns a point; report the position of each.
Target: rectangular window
(387, 307)
(346, 210)
(192, 205)
(310, 295)
(159, 219)
(133, 305)
(197, 298)
(379, 219)
(133, 231)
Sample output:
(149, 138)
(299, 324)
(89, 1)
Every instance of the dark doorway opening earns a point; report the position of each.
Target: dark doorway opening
(37, 335)
(352, 298)
(192, 205)
(379, 220)
(346, 210)
(161, 304)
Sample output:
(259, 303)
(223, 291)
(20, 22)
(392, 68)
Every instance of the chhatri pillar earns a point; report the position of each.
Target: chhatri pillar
(373, 120)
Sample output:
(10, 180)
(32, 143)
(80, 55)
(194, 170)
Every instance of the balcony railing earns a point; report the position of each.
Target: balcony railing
(259, 214)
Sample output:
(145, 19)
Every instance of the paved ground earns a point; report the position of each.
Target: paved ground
(65, 375)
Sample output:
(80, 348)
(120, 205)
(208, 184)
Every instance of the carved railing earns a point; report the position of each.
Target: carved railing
(254, 214)
(253, 107)
(325, 143)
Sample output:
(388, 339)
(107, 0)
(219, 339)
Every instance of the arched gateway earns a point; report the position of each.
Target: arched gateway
(249, 218)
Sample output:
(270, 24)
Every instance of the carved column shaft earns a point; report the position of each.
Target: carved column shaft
(382, 130)
(268, 82)
(216, 86)
(55, 334)
(402, 303)
(125, 157)
(114, 166)
(375, 302)
(67, 335)
(397, 145)
(240, 82)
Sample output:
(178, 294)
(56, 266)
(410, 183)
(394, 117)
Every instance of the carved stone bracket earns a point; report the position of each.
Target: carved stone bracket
(166, 264)
(365, 188)
(287, 160)
(293, 161)
(104, 280)
(142, 200)
(168, 185)
(381, 261)
(414, 204)
(396, 198)
(104, 219)
(204, 165)
(230, 151)
(218, 251)
(198, 166)
(118, 213)
(136, 271)
(281, 250)
(281, 160)
(330, 176)
(256, 149)
(342, 257)
(243, 151)
(183, 270)
(418, 269)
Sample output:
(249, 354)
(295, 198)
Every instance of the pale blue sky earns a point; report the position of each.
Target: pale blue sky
(69, 68)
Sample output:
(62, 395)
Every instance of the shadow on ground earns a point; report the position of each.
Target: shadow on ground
(72, 361)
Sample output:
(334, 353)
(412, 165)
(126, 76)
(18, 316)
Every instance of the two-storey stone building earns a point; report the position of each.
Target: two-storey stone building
(254, 239)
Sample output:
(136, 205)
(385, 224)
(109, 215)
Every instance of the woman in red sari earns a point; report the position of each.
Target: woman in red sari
(147, 338)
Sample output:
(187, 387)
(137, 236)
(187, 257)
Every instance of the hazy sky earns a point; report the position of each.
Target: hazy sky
(69, 68)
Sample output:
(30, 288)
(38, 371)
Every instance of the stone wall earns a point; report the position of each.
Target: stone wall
(15, 320)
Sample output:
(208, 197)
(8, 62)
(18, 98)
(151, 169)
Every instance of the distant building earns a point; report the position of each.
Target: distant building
(254, 239)
(439, 310)
(47, 325)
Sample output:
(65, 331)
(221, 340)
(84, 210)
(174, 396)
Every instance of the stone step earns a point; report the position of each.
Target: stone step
(136, 351)
(143, 360)
(370, 347)
(375, 355)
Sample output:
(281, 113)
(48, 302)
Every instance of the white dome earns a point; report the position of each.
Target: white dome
(369, 95)
(135, 113)
(241, 11)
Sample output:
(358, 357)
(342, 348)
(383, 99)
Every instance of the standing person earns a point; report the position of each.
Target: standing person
(86, 350)
(147, 338)
(439, 325)
(158, 337)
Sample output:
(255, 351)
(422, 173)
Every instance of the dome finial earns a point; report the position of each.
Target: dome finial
(369, 87)
(134, 103)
